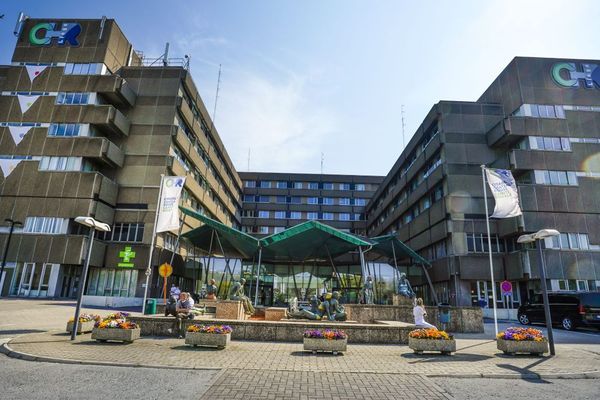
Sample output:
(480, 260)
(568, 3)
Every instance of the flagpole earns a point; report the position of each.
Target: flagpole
(487, 221)
(149, 268)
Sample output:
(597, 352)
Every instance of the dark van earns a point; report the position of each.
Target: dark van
(568, 309)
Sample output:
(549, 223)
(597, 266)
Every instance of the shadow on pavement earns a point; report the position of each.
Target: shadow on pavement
(525, 372)
(20, 331)
(437, 357)
(319, 354)
(198, 348)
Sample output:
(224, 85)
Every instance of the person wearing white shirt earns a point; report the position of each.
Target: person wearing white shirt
(419, 313)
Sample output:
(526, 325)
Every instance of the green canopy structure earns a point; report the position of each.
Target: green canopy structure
(233, 243)
(310, 240)
(392, 247)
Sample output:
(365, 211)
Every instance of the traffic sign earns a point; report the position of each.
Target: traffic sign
(506, 288)
(165, 270)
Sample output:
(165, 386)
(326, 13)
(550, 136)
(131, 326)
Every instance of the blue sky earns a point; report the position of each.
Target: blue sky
(301, 78)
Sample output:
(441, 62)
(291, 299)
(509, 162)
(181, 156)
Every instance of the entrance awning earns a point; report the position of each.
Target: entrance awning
(390, 245)
(236, 244)
(310, 240)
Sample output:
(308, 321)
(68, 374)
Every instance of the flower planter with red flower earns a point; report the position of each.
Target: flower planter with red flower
(114, 329)
(522, 340)
(85, 325)
(420, 340)
(218, 336)
(326, 340)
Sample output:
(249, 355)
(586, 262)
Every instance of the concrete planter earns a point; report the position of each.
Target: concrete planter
(335, 346)
(82, 327)
(208, 339)
(420, 345)
(522, 346)
(115, 334)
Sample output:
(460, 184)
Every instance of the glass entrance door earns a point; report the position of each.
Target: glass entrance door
(26, 280)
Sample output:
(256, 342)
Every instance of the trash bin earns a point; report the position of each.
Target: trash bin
(444, 314)
(150, 307)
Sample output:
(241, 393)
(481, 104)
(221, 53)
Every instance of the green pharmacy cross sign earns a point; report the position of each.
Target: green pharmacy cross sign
(127, 255)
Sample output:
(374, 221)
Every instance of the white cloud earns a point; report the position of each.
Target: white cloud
(275, 119)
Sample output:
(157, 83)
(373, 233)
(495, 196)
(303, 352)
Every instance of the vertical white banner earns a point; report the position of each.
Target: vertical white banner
(504, 189)
(26, 101)
(18, 132)
(168, 213)
(7, 165)
(34, 71)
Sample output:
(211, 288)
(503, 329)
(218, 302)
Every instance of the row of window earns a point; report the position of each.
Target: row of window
(85, 69)
(49, 225)
(112, 282)
(75, 98)
(434, 251)
(545, 143)
(328, 201)
(123, 232)
(577, 285)
(540, 111)
(328, 216)
(71, 130)
(478, 243)
(51, 163)
(564, 178)
(570, 241)
(305, 185)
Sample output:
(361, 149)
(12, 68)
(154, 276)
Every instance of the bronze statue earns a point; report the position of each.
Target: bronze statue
(368, 291)
(236, 292)
(404, 288)
(301, 313)
(336, 310)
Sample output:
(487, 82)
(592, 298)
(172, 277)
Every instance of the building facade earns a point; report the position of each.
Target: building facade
(87, 127)
(541, 119)
(273, 202)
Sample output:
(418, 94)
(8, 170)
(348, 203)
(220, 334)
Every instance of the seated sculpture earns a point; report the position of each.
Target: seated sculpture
(336, 310)
(301, 313)
(236, 292)
(404, 288)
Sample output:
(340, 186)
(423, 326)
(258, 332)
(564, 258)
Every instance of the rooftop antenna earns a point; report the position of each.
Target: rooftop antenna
(102, 23)
(248, 159)
(322, 161)
(166, 56)
(403, 126)
(217, 94)
(20, 22)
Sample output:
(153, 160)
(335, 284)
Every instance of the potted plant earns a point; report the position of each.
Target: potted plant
(85, 325)
(208, 335)
(334, 340)
(522, 340)
(116, 327)
(420, 340)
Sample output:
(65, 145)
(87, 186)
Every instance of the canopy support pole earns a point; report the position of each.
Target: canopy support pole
(334, 268)
(396, 277)
(312, 270)
(363, 269)
(295, 284)
(212, 235)
(435, 299)
(226, 264)
(257, 275)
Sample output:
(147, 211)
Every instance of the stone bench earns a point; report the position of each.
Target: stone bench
(275, 313)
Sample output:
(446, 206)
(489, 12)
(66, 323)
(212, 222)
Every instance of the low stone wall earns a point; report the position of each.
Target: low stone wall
(284, 331)
(462, 319)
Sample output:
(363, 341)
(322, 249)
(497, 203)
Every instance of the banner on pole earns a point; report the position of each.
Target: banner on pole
(168, 213)
(504, 188)
(34, 71)
(8, 165)
(18, 132)
(26, 101)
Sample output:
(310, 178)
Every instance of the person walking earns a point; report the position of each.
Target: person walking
(419, 313)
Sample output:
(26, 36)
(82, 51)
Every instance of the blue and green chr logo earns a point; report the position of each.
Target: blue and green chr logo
(43, 33)
(567, 74)
(127, 256)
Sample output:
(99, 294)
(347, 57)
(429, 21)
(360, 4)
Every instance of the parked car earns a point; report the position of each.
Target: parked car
(568, 309)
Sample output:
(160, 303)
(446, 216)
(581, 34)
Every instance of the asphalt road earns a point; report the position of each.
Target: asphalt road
(38, 380)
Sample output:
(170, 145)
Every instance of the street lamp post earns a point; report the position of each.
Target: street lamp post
(5, 254)
(94, 226)
(539, 236)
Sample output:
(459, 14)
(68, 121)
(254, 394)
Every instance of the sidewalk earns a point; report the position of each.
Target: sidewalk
(475, 357)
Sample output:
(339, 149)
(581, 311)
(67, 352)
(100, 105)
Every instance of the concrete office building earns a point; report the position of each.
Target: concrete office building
(273, 202)
(87, 127)
(541, 119)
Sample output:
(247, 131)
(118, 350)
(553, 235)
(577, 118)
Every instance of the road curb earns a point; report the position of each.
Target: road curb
(9, 352)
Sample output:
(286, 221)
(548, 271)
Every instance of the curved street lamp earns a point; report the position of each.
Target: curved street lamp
(538, 236)
(94, 226)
